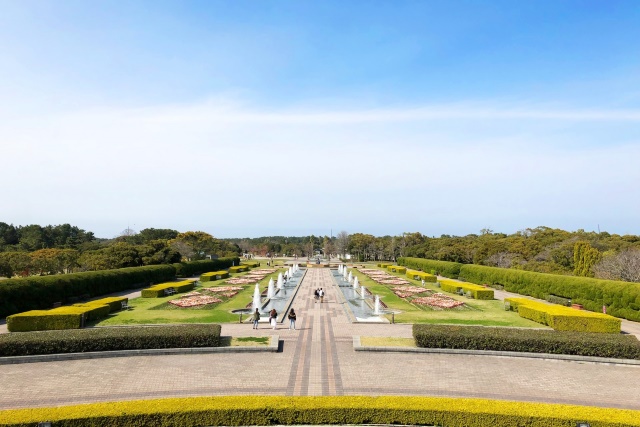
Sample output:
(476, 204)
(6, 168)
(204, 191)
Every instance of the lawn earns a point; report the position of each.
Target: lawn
(157, 311)
(475, 312)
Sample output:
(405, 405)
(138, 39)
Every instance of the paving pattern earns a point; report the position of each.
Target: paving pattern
(318, 359)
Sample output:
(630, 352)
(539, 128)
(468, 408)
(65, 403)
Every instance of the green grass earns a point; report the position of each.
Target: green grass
(478, 312)
(157, 311)
(244, 341)
(387, 342)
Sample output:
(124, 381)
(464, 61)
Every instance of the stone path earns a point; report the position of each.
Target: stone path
(318, 359)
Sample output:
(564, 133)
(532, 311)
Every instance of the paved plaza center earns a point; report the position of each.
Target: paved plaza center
(318, 359)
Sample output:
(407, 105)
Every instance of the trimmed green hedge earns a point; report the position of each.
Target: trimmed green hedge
(41, 292)
(563, 318)
(622, 299)
(194, 268)
(477, 291)
(397, 269)
(214, 275)
(383, 264)
(239, 268)
(109, 339)
(527, 340)
(442, 268)
(114, 303)
(321, 410)
(44, 320)
(157, 291)
(251, 264)
(420, 275)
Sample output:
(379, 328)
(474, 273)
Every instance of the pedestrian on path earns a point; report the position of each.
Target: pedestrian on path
(255, 318)
(292, 319)
(273, 314)
(316, 295)
(321, 295)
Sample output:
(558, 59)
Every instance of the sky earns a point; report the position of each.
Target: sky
(255, 118)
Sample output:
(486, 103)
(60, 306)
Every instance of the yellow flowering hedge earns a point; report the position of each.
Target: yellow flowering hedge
(397, 269)
(238, 269)
(421, 275)
(214, 275)
(478, 292)
(383, 264)
(69, 317)
(564, 318)
(317, 410)
(157, 291)
(114, 303)
(251, 264)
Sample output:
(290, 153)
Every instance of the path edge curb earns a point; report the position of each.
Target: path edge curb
(357, 346)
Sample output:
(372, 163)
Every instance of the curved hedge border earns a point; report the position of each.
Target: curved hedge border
(443, 268)
(40, 292)
(194, 268)
(527, 340)
(109, 339)
(272, 410)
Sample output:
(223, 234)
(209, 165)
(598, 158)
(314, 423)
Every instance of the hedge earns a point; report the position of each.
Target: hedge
(238, 269)
(564, 318)
(622, 299)
(58, 318)
(527, 340)
(195, 268)
(109, 339)
(442, 268)
(114, 303)
(321, 410)
(157, 291)
(420, 275)
(214, 275)
(383, 264)
(477, 291)
(397, 269)
(41, 292)
(251, 264)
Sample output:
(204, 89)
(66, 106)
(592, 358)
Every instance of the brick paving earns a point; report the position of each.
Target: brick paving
(318, 359)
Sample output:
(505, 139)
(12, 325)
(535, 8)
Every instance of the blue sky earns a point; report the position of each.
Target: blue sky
(254, 118)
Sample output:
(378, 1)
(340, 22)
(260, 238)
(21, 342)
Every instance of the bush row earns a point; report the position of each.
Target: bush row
(214, 275)
(70, 317)
(527, 340)
(157, 291)
(622, 299)
(239, 268)
(397, 269)
(41, 292)
(383, 264)
(251, 264)
(477, 291)
(109, 339)
(194, 268)
(564, 318)
(321, 410)
(421, 275)
(442, 268)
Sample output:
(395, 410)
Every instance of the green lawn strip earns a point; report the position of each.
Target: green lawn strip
(155, 311)
(387, 342)
(479, 312)
(244, 341)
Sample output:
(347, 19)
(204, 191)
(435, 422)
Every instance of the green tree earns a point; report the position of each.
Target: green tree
(584, 258)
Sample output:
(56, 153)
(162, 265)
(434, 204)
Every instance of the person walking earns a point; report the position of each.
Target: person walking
(292, 319)
(316, 295)
(255, 319)
(273, 314)
(321, 295)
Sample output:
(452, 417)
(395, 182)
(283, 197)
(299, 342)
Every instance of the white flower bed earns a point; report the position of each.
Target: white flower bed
(195, 301)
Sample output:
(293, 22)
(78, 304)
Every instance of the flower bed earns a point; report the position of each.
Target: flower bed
(242, 281)
(190, 294)
(195, 301)
(224, 289)
(438, 300)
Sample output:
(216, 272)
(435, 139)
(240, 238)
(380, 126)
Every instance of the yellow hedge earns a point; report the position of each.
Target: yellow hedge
(68, 317)
(564, 318)
(238, 269)
(214, 275)
(157, 291)
(251, 264)
(114, 303)
(421, 275)
(383, 264)
(318, 410)
(397, 269)
(478, 292)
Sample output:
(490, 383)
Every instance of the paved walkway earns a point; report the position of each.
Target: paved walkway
(318, 359)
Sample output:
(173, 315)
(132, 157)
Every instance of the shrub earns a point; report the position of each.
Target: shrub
(527, 340)
(478, 292)
(590, 293)
(238, 269)
(443, 268)
(564, 318)
(91, 311)
(251, 264)
(383, 264)
(194, 268)
(29, 293)
(157, 291)
(42, 320)
(397, 269)
(214, 275)
(420, 275)
(321, 410)
(554, 299)
(109, 339)
(114, 303)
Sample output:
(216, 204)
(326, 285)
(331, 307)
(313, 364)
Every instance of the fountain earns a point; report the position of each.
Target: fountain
(290, 272)
(340, 269)
(279, 280)
(355, 283)
(344, 272)
(270, 290)
(350, 277)
(257, 300)
(376, 307)
(363, 292)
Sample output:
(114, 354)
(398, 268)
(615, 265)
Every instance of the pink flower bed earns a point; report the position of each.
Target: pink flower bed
(409, 289)
(438, 301)
(190, 294)
(224, 289)
(195, 301)
(241, 281)
(393, 281)
(229, 294)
